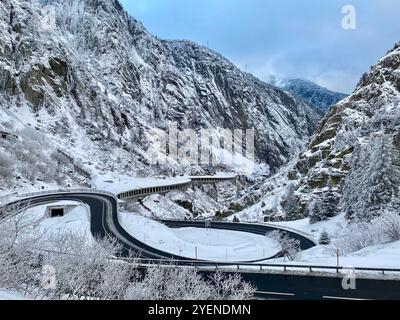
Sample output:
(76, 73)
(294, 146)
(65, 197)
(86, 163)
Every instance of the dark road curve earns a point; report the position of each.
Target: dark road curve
(104, 222)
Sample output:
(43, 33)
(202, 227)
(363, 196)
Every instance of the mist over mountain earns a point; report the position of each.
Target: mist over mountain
(322, 99)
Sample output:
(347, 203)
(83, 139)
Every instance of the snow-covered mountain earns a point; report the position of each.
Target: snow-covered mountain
(319, 97)
(353, 161)
(94, 81)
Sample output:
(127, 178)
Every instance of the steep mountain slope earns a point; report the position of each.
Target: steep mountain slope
(96, 82)
(353, 163)
(319, 97)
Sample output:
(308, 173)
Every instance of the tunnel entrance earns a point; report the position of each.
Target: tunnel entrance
(56, 212)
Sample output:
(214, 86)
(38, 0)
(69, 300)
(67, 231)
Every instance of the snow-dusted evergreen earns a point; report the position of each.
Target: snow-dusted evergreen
(373, 185)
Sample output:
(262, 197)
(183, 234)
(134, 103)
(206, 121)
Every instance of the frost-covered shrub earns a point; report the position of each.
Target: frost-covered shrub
(360, 234)
(6, 165)
(180, 283)
(290, 247)
(17, 262)
(388, 224)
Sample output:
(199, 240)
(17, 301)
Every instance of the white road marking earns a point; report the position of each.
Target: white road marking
(277, 293)
(343, 298)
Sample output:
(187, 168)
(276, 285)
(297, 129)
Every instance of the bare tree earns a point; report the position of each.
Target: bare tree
(183, 283)
(231, 287)
(18, 257)
(389, 225)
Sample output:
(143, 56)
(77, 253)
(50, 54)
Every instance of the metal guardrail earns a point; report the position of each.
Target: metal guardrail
(28, 196)
(60, 191)
(278, 227)
(239, 266)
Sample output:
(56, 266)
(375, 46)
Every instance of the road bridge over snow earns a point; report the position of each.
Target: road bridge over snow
(163, 187)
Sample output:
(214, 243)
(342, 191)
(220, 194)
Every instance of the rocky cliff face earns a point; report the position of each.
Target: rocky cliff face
(352, 162)
(96, 81)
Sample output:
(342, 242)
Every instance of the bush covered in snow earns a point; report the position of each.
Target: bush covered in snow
(359, 235)
(180, 283)
(290, 246)
(6, 165)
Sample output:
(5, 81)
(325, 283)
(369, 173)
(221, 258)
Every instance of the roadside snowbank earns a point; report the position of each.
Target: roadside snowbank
(8, 295)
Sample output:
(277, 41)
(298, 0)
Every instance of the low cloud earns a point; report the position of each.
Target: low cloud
(302, 38)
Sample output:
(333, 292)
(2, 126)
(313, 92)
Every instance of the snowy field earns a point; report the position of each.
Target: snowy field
(379, 256)
(216, 245)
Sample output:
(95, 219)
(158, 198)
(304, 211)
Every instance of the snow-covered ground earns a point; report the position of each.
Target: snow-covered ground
(77, 221)
(273, 189)
(333, 226)
(160, 207)
(8, 295)
(216, 245)
(378, 256)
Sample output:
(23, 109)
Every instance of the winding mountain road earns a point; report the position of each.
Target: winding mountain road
(270, 283)
(104, 222)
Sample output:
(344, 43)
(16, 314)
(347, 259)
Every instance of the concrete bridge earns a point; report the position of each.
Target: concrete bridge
(139, 193)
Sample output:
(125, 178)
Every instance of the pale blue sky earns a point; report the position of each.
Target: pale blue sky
(293, 38)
